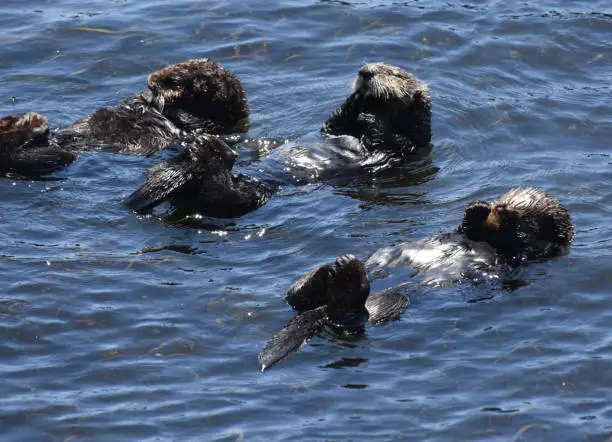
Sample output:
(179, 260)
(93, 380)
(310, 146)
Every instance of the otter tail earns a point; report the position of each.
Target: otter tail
(289, 339)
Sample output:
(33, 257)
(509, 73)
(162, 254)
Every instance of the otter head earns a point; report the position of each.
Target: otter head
(347, 290)
(31, 129)
(389, 109)
(211, 154)
(383, 82)
(200, 94)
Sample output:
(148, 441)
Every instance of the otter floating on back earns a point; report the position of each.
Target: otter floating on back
(193, 96)
(335, 295)
(25, 148)
(389, 109)
(522, 225)
(387, 117)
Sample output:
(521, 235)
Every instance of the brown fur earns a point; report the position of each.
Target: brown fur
(523, 222)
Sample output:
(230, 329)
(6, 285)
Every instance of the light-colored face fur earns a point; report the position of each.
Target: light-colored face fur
(17, 131)
(32, 121)
(383, 81)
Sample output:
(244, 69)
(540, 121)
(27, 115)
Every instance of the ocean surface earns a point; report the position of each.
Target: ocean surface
(116, 327)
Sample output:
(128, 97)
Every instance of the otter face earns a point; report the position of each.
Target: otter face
(494, 224)
(382, 82)
(199, 94)
(19, 131)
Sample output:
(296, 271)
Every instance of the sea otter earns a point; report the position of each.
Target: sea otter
(200, 180)
(389, 109)
(193, 96)
(335, 295)
(25, 148)
(522, 224)
(385, 120)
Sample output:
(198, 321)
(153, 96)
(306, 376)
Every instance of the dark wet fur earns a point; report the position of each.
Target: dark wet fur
(289, 339)
(390, 109)
(387, 305)
(201, 95)
(341, 284)
(200, 180)
(523, 224)
(25, 148)
(335, 295)
(135, 126)
(191, 96)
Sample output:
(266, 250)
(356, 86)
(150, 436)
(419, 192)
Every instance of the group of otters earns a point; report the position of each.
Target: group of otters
(197, 104)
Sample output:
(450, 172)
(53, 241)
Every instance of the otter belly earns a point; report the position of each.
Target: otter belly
(334, 157)
(442, 260)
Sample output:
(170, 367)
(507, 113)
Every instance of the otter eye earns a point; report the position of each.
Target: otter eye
(171, 82)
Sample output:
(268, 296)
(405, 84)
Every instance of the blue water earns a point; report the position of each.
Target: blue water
(122, 327)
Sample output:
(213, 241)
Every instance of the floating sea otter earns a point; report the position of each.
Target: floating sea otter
(387, 117)
(389, 109)
(193, 96)
(335, 295)
(25, 148)
(522, 225)
(200, 178)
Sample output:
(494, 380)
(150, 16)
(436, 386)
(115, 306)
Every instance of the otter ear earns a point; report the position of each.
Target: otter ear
(162, 181)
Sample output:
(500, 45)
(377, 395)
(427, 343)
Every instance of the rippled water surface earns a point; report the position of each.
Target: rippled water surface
(120, 327)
